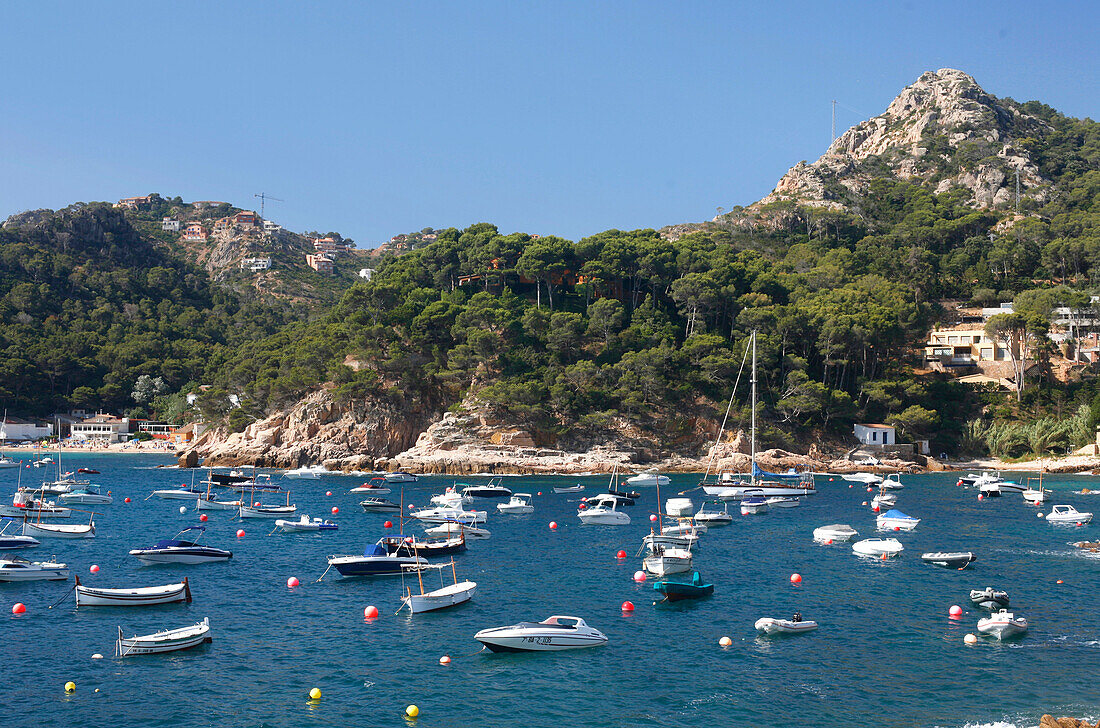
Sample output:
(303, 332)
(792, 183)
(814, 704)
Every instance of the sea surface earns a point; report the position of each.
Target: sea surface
(886, 652)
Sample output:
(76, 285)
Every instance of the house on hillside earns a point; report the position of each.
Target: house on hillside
(871, 434)
(170, 225)
(965, 346)
(245, 219)
(222, 226)
(330, 247)
(195, 232)
(134, 203)
(271, 227)
(255, 264)
(319, 263)
(366, 273)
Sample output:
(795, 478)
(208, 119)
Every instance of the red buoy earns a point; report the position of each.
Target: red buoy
(652, 516)
(370, 613)
(796, 578)
(335, 510)
(94, 568)
(126, 500)
(240, 533)
(553, 525)
(828, 542)
(621, 554)
(980, 496)
(955, 611)
(876, 509)
(897, 528)
(628, 606)
(639, 576)
(204, 518)
(388, 524)
(581, 506)
(19, 608)
(256, 504)
(292, 582)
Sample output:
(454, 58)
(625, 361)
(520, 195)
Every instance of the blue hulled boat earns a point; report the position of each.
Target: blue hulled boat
(388, 557)
(675, 591)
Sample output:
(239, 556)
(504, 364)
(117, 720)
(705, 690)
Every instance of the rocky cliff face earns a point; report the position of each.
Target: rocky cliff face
(943, 129)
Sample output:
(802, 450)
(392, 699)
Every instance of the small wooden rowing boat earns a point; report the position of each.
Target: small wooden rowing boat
(165, 641)
(87, 596)
(43, 529)
(445, 596)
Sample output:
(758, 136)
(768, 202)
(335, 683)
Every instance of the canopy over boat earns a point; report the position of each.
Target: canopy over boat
(757, 472)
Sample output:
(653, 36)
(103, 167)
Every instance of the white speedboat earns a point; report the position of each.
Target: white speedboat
(44, 529)
(555, 633)
(400, 476)
(990, 489)
(14, 541)
(1067, 514)
(603, 511)
(492, 489)
(884, 500)
(306, 472)
(87, 495)
(754, 502)
(379, 505)
(679, 506)
(770, 626)
(180, 551)
(166, 641)
(836, 532)
(6, 462)
(518, 503)
(891, 482)
(684, 527)
(895, 519)
(375, 486)
(25, 505)
(713, 515)
(650, 477)
(865, 478)
(666, 560)
(878, 547)
(14, 568)
(988, 479)
(445, 514)
(87, 596)
(183, 493)
(1002, 625)
(305, 523)
(783, 501)
(452, 498)
(453, 529)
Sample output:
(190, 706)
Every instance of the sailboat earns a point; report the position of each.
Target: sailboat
(732, 486)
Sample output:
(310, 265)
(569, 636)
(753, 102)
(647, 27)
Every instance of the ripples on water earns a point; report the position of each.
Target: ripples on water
(885, 653)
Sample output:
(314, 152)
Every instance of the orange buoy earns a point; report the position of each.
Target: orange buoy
(445, 660)
(828, 542)
(1058, 582)
(628, 606)
(884, 557)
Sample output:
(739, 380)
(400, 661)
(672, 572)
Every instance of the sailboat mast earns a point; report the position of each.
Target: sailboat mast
(752, 436)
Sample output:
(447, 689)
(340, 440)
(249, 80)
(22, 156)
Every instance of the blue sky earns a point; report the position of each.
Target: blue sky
(565, 118)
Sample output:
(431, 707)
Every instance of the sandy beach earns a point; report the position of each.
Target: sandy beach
(137, 448)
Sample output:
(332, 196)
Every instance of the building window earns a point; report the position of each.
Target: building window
(874, 436)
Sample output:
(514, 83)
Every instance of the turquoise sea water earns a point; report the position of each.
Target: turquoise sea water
(886, 651)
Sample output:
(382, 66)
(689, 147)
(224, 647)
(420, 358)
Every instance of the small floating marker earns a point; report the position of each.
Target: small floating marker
(876, 509)
(960, 482)
(183, 509)
(126, 499)
(980, 496)
(796, 578)
(204, 518)
(1078, 523)
(96, 690)
(955, 612)
(628, 606)
(19, 608)
(97, 656)
(387, 524)
(1039, 515)
(1058, 582)
(328, 492)
(621, 554)
(240, 533)
(639, 576)
(652, 516)
(581, 507)
(70, 687)
(412, 711)
(315, 694)
(292, 582)
(850, 486)
(256, 504)
(830, 480)
(863, 503)
(93, 568)
(553, 525)
(884, 557)
(370, 612)
(897, 528)
(335, 510)
(869, 489)
(828, 542)
(970, 639)
(445, 660)
(726, 641)
(412, 507)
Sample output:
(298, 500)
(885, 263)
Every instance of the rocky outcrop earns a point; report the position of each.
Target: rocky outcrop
(944, 112)
(1049, 721)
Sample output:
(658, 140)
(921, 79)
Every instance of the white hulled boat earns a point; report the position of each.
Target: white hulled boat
(604, 511)
(15, 568)
(87, 596)
(518, 503)
(445, 514)
(166, 641)
(447, 595)
(664, 560)
(770, 626)
(713, 515)
(1068, 514)
(554, 633)
(838, 532)
(650, 477)
(44, 529)
(894, 518)
(1002, 625)
(878, 547)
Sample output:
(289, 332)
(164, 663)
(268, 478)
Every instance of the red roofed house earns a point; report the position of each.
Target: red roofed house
(133, 203)
(245, 219)
(195, 232)
(319, 263)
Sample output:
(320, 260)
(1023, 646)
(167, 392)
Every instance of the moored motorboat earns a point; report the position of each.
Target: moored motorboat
(990, 489)
(650, 477)
(15, 568)
(878, 547)
(86, 495)
(884, 500)
(782, 501)
(181, 493)
(166, 641)
(262, 511)
(387, 557)
(891, 482)
(518, 503)
(181, 551)
(429, 546)
(679, 506)
(87, 596)
(1002, 625)
(559, 632)
(306, 472)
(604, 511)
(989, 598)
(25, 505)
(865, 478)
(771, 626)
(451, 529)
(835, 532)
(713, 513)
(400, 476)
(379, 505)
(1068, 514)
(949, 559)
(668, 540)
(570, 489)
(445, 514)
(664, 560)
(675, 591)
(492, 489)
(452, 498)
(211, 502)
(894, 519)
(754, 502)
(305, 523)
(374, 486)
(13, 541)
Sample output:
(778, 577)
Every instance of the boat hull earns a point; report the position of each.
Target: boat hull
(666, 563)
(151, 557)
(50, 530)
(448, 596)
(877, 548)
(953, 560)
(770, 626)
(677, 591)
(373, 565)
(604, 518)
(137, 597)
(838, 533)
(266, 512)
(168, 641)
(507, 639)
(51, 573)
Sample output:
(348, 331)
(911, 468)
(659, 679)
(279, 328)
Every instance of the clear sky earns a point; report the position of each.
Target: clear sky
(558, 117)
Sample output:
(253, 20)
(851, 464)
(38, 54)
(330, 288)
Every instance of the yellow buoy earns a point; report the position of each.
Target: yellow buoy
(725, 642)
(315, 694)
(70, 687)
(412, 711)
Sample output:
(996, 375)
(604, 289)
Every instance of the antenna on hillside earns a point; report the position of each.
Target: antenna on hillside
(264, 197)
(834, 120)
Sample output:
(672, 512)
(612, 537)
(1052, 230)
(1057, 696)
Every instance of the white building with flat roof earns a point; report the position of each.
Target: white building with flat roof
(255, 264)
(870, 434)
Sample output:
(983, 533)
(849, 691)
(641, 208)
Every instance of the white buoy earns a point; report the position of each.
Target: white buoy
(183, 509)
(970, 639)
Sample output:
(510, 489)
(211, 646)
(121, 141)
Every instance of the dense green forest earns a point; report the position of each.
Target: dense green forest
(573, 339)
